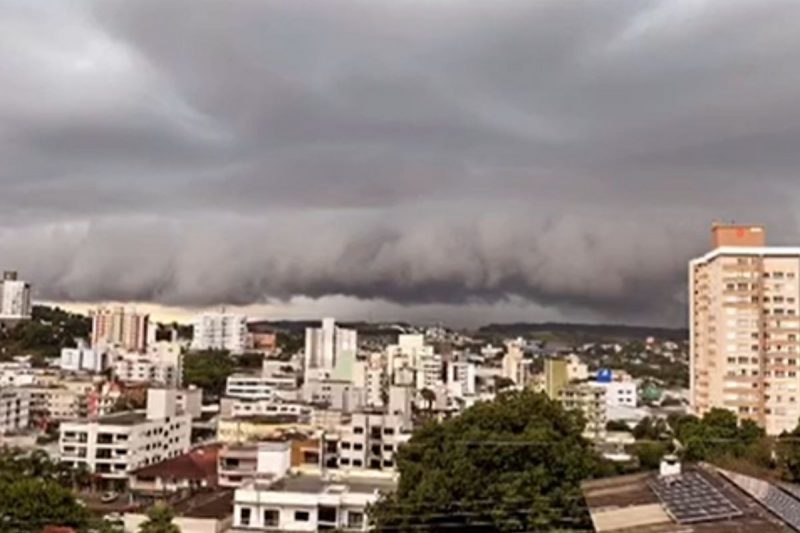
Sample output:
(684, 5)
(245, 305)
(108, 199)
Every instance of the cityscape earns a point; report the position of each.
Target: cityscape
(283, 266)
(237, 423)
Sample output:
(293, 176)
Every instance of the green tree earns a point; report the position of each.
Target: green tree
(649, 454)
(718, 435)
(511, 464)
(29, 504)
(208, 370)
(159, 520)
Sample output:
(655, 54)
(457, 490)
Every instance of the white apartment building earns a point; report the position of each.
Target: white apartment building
(258, 387)
(118, 328)
(461, 378)
(84, 359)
(369, 441)
(15, 297)
(237, 408)
(371, 377)
(429, 371)
(326, 345)
(405, 356)
(17, 374)
(161, 364)
(220, 331)
(336, 394)
(620, 393)
(14, 410)
(745, 328)
(112, 446)
(305, 502)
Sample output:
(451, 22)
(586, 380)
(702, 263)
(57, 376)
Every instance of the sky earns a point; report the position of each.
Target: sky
(456, 161)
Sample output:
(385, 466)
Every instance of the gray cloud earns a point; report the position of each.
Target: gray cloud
(552, 157)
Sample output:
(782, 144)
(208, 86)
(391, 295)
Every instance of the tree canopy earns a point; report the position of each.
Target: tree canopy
(159, 520)
(35, 492)
(208, 370)
(48, 330)
(717, 435)
(513, 464)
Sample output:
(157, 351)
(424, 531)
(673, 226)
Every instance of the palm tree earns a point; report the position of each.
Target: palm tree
(159, 520)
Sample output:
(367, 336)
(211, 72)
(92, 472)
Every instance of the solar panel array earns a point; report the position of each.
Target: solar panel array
(690, 498)
(783, 504)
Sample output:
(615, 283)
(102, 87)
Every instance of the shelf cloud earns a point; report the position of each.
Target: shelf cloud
(566, 155)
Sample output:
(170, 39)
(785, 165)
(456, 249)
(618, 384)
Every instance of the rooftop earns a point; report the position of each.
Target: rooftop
(217, 504)
(314, 484)
(125, 418)
(198, 464)
(629, 503)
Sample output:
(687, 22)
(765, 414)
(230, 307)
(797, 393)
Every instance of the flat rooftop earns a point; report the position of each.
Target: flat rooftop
(629, 504)
(312, 484)
(125, 418)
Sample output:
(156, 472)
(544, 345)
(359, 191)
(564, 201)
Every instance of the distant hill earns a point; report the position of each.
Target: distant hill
(556, 331)
(583, 332)
(299, 326)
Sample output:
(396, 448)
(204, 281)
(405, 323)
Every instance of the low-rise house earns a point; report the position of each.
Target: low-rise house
(306, 502)
(242, 463)
(187, 473)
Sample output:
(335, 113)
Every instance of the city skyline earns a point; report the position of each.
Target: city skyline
(430, 161)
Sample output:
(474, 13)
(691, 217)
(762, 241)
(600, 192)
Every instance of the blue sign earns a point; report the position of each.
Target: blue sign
(604, 375)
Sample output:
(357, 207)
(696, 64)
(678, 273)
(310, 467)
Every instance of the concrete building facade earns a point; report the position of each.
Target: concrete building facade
(119, 328)
(220, 331)
(15, 297)
(745, 328)
(326, 345)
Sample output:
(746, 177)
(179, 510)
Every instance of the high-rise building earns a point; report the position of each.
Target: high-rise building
(556, 377)
(15, 297)
(744, 328)
(118, 328)
(220, 331)
(325, 345)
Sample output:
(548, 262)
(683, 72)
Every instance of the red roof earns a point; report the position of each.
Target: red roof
(198, 464)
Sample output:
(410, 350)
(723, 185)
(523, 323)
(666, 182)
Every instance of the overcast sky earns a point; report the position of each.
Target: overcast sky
(457, 160)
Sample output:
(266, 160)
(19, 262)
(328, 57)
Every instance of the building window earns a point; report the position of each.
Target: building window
(358, 430)
(355, 519)
(244, 516)
(302, 516)
(345, 445)
(358, 446)
(326, 514)
(271, 517)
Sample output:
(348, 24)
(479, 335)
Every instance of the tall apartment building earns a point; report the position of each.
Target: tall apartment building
(744, 328)
(220, 331)
(326, 345)
(15, 297)
(118, 328)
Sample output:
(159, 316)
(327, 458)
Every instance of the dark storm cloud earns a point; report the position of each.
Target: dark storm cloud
(569, 154)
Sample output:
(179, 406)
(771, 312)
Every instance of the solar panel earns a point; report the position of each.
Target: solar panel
(783, 504)
(690, 498)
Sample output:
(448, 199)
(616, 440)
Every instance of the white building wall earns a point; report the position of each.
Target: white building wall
(220, 331)
(14, 410)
